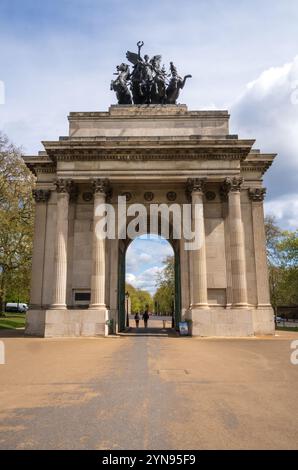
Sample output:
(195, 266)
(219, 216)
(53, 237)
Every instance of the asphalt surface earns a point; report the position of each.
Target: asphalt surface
(148, 392)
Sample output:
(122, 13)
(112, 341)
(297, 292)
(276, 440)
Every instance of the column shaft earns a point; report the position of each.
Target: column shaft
(199, 268)
(60, 261)
(41, 197)
(239, 284)
(98, 275)
(263, 293)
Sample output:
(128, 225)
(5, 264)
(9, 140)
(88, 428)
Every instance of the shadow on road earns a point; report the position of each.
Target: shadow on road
(12, 333)
(150, 331)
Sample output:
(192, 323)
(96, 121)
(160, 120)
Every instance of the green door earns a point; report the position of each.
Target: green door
(121, 291)
(177, 307)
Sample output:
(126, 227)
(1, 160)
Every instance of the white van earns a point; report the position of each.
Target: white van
(19, 307)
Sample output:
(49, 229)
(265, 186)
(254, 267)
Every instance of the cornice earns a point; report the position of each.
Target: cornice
(39, 164)
(260, 163)
(147, 112)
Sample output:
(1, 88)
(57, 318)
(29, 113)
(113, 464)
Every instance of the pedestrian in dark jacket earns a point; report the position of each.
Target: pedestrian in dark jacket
(137, 319)
(146, 318)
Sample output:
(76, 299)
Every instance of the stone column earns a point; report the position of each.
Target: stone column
(256, 196)
(232, 189)
(199, 268)
(41, 197)
(60, 261)
(98, 275)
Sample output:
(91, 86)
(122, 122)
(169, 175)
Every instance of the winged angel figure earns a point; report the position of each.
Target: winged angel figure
(148, 80)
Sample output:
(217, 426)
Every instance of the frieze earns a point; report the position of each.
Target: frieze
(130, 154)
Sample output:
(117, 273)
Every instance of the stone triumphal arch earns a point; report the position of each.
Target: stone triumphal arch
(156, 153)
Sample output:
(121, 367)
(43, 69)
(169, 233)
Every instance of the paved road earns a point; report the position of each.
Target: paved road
(138, 392)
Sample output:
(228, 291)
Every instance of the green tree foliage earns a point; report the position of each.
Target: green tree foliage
(164, 296)
(282, 254)
(16, 224)
(140, 299)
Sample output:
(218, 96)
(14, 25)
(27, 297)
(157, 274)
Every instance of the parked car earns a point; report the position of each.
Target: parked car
(19, 307)
(280, 319)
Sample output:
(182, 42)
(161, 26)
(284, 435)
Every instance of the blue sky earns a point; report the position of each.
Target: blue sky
(144, 258)
(59, 56)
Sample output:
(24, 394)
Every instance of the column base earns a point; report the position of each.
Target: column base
(216, 321)
(263, 320)
(240, 305)
(65, 323)
(97, 306)
(233, 322)
(199, 306)
(58, 307)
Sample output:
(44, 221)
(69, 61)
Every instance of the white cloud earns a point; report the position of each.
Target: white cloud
(144, 253)
(144, 259)
(284, 209)
(145, 280)
(266, 111)
(130, 278)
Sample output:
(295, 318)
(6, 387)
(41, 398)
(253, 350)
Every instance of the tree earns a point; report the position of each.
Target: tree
(165, 281)
(282, 254)
(140, 299)
(16, 222)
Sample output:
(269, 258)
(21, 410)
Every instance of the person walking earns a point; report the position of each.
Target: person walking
(146, 318)
(137, 319)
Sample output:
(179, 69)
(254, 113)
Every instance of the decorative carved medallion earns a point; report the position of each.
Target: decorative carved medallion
(41, 195)
(171, 196)
(210, 195)
(148, 196)
(87, 197)
(257, 194)
(127, 194)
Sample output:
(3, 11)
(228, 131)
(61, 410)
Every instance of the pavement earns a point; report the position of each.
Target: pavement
(148, 392)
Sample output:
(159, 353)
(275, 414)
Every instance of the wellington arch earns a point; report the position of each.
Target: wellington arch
(149, 153)
(145, 152)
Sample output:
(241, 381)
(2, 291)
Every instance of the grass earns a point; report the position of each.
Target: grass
(11, 321)
(287, 328)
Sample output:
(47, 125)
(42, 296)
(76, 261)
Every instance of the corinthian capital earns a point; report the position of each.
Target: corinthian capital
(256, 194)
(102, 186)
(64, 186)
(196, 185)
(41, 195)
(231, 184)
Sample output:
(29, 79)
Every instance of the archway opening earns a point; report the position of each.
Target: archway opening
(149, 283)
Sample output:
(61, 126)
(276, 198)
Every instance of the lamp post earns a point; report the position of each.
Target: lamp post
(127, 313)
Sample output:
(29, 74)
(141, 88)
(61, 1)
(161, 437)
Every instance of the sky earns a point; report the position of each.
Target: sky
(59, 56)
